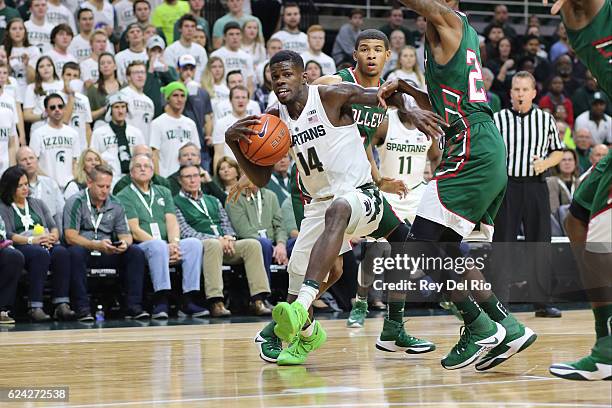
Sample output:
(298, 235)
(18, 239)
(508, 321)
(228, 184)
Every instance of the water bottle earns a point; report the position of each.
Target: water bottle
(99, 314)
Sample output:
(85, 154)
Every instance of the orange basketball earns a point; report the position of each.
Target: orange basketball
(270, 145)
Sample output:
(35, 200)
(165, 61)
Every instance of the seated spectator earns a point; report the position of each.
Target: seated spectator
(126, 180)
(213, 80)
(142, 14)
(135, 52)
(88, 160)
(104, 14)
(563, 182)
(492, 97)
(45, 82)
(316, 42)
(253, 41)
(556, 96)
(419, 34)
(171, 130)
(584, 142)
(502, 18)
(141, 109)
(166, 14)
(39, 29)
(396, 22)
(190, 154)
(233, 57)
(107, 84)
(289, 224)
(264, 92)
(504, 66)
(81, 45)
(196, 9)
(34, 233)
(159, 74)
(564, 67)
(202, 216)
(9, 116)
(344, 44)
(197, 107)
(41, 187)
(77, 112)
(227, 174)
(502, 53)
(562, 46)
(11, 265)
(397, 42)
(535, 31)
(256, 214)
(22, 55)
(596, 120)
(598, 152)
(531, 47)
(61, 37)
(280, 183)
(583, 96)
(95, 228)
(407, 68)
(152, 220)
(565, 131)
(56, 145)
(239, 98)
(200, 36)
(116, 140)
(236, 14)
(8, 13)
(496, 33)
(273, 46)
(224, 107)
(292, 38)
(186, 46)
(313, 72)
(10, 99)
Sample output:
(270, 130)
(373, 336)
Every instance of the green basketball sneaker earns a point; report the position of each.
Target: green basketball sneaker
(298, 351)
(268, 344)
(596, 366)
(478, 337)
(518, 338)
(289, 318)
(358, 314)
(394, 338)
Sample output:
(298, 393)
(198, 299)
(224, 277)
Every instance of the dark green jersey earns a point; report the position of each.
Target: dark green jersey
(593, 44)
(456, 90)
(368, 118)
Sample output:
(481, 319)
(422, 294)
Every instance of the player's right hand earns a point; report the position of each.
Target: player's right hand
(393, 186)
(556, 6)
(241, 130)
(243, 184)
(427, 122)
(386, 90)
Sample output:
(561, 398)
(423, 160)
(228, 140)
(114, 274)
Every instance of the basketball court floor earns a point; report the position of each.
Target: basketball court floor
(217, 365)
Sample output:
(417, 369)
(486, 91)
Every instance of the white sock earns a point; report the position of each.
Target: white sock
(362, 299)
(307, 332)
(306, 296)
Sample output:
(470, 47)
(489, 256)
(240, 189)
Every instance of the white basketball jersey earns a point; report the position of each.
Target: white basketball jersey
(403, 155)
(331, 160)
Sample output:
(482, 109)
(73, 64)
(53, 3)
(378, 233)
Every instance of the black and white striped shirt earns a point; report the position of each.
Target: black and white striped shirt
(533, 133)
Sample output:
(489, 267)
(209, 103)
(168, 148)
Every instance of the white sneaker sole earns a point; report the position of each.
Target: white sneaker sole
(258, 340)
(604, 372)
(514, 348)
(389, 346)
(354, 325)
(486, 345)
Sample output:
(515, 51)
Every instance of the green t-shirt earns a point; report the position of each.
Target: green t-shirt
(6, 15)
(19, 228)
(222, 21)
(160, 205)
(165, 16)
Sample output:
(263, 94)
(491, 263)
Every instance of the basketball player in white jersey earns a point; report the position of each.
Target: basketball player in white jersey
(334, 168)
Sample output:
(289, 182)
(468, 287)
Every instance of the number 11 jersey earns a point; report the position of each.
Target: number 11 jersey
(330, 159)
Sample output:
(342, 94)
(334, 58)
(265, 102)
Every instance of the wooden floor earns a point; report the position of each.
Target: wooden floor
(218, 366)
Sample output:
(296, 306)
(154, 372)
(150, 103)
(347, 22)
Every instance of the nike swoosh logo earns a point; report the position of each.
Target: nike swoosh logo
(489, 343)
(264, 129)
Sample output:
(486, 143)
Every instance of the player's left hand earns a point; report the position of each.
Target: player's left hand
(393, 186)
(241, 129)
(426, 121)
(385, 91)
(539, 165)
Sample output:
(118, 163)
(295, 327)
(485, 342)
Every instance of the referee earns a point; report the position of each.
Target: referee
(533, 146)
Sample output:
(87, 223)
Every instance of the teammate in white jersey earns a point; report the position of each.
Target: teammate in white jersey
(404, 151)
(334, 168)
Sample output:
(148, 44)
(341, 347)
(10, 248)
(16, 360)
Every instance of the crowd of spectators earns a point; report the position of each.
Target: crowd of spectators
(134, 97)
